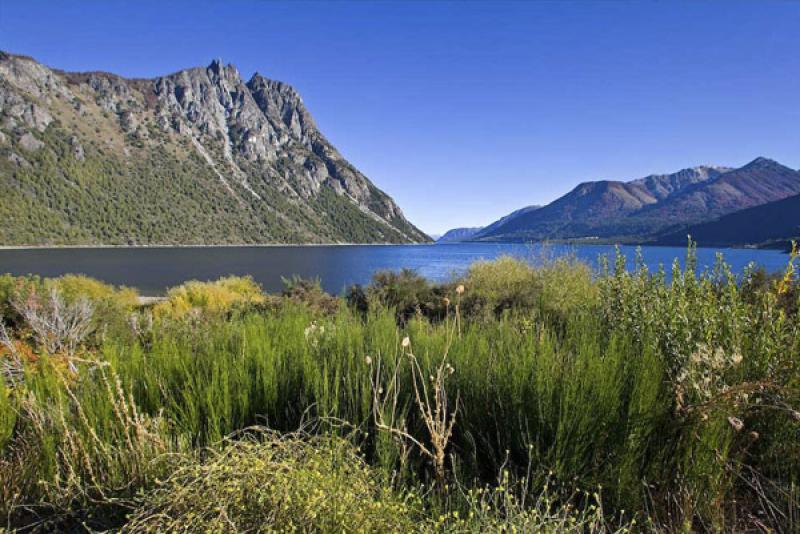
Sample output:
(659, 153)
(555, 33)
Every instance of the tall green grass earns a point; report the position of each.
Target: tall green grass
(679, 399)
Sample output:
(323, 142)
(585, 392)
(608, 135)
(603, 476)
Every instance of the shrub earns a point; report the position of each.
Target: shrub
(73, 287)
(356, 299)
(212, 298)
(556, 286)
(265, 483)
(404, 291)
(110, 305)
(8, 414)
(307, 292)
(16, 288)
(758, 283)
(57, 326)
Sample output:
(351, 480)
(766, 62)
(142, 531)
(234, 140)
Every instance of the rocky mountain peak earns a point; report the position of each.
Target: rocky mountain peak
(282, 104)
(257, 138)
(216, 65)
(764, 163)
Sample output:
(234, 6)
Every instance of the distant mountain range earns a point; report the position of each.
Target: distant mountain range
(458, 234)
(655, 208)
(772, 224)
(200, 156)
(470, 234)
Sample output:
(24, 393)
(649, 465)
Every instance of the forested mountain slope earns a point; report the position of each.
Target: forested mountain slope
(200, 156)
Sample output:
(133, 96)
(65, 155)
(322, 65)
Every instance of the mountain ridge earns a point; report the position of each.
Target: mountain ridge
(456, 235)
(235, 161)
(637, 210)
(771, 224)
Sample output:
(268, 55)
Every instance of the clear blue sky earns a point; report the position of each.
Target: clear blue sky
(466, 111)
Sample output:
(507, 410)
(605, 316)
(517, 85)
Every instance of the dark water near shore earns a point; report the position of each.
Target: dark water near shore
(152, 270)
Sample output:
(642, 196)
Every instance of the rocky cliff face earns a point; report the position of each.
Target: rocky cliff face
(230, 161)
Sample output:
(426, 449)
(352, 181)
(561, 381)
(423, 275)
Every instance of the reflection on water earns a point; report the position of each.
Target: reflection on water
(152, 270)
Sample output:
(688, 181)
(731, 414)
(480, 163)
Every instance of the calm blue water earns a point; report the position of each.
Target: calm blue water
(153, 270)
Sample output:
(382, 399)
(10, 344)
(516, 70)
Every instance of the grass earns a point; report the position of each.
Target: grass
(568, 400)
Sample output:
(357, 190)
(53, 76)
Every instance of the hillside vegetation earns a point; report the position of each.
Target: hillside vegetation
(546, 399)
(772, 224)
(200, 156)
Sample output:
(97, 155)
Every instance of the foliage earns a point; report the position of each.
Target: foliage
(161, 191)
(309, 293)
(110, 305)
(264, 482)
(209, 297)
(404, 291)
(678, 397)
(554, 287)
(57, 326)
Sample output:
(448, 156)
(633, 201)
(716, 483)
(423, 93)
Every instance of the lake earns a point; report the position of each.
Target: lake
(153, 270)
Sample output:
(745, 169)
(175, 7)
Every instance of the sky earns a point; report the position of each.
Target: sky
(465, 111)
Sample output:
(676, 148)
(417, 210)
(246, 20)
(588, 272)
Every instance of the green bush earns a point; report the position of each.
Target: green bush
(265, 483)
(557, 286)
(300, 291)
(404, 291)
(111, 305)
(217, 297)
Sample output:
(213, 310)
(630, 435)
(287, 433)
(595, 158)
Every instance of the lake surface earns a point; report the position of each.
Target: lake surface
(153, 270)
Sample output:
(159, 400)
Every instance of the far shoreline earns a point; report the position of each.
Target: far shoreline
(777, 246)
(224, 245)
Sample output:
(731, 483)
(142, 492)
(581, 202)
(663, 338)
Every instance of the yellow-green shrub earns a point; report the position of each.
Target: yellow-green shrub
(209, 297)
(270, 483)
(74, 286)
(555, 286)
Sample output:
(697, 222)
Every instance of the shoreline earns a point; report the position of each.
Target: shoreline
(242, 245)
(320, 245)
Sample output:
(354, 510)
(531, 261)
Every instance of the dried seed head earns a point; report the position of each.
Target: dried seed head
(368, 360)
(736, 423)
(754, 435)
(446, 301)
(460, 289)
(796, 415)
(406, 342)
